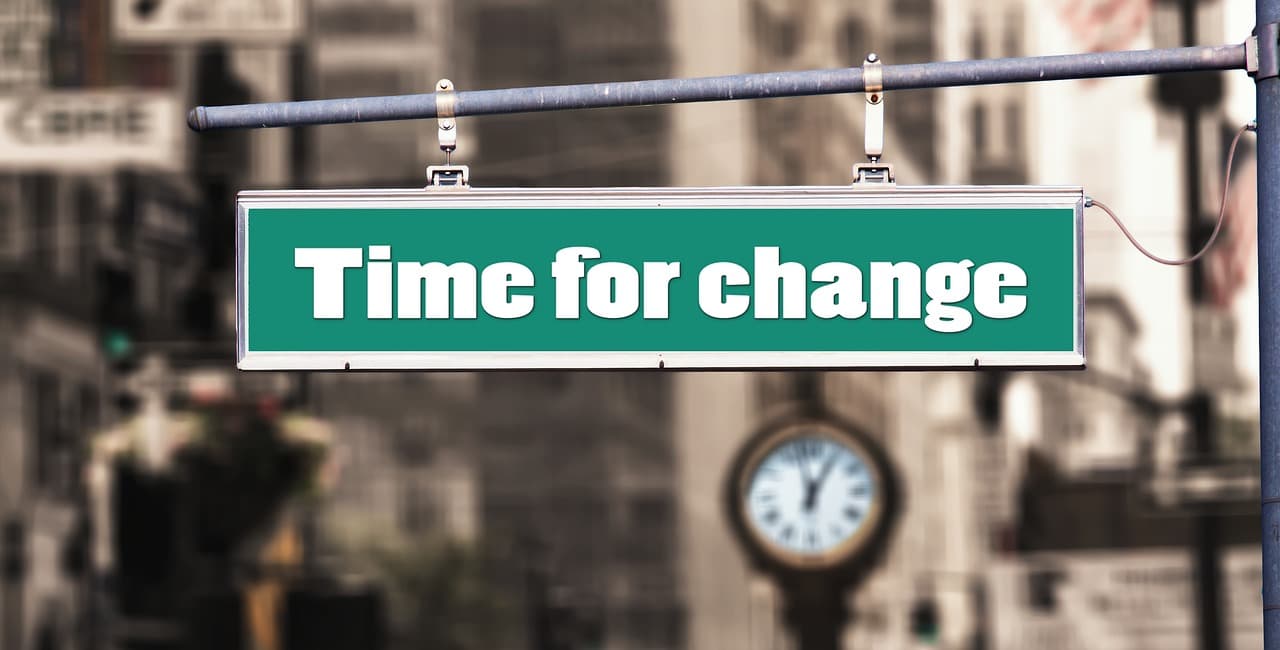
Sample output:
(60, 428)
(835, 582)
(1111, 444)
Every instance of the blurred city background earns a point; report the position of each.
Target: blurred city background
(151, 497)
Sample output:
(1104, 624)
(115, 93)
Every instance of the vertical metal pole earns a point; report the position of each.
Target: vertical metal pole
(1210, 630)
(1268, 116)
(1193, 101)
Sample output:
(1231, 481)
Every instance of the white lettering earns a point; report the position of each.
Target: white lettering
(947, 283)
(842, 297)
(712, 281)
(768, 275)
(567, 270)
(379, 282)
(988, 280)
(437, 277)
(329, 265)
(657, 286)
(613, 290)
(883, 275)
(495, 292)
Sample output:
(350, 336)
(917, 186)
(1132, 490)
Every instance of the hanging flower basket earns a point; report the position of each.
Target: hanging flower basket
(235, 463)
(242, 465)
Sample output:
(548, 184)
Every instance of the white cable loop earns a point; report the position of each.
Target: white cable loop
(1222, 211)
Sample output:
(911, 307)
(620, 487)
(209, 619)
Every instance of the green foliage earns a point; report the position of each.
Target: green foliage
(239, 469)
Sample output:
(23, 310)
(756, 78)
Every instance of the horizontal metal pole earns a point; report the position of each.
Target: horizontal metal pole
(707, 89)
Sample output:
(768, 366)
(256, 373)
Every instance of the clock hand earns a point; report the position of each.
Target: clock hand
(811, 493)
(802, 463)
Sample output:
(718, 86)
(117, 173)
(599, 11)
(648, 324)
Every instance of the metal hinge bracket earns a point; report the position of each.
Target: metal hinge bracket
(457, 176)
(447, 175)
(873, 172)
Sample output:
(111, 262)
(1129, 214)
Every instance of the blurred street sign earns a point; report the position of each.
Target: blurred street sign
(194, 21)
(659, 278)
(90, 130)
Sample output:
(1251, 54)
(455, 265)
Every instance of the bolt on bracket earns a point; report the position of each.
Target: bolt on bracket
(873, 171)
(1262, 52)
(448, 174)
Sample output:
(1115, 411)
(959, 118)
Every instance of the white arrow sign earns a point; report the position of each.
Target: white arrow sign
(90, 131)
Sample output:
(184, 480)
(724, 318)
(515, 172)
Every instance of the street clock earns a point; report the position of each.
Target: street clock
(810, 495)
(812, 501)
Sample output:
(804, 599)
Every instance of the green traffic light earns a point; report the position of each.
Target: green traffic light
(117, 344)
(924, 622)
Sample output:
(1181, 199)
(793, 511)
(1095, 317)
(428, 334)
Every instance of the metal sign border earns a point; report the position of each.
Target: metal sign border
(725, 197)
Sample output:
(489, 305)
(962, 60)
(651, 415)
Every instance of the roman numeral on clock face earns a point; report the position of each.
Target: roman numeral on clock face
(809, 495)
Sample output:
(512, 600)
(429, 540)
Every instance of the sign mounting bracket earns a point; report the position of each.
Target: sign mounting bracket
(447, 175)
(873, 172)
(1261, 59)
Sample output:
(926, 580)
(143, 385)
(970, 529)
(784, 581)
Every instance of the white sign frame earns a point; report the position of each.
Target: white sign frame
(1031, 197)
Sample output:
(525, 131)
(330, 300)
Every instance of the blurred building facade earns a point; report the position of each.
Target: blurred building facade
(596, 499)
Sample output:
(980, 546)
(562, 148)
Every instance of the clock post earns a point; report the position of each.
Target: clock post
(815, 612)
(812, 500)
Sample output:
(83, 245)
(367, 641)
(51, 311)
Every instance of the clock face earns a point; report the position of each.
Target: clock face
(811, 497)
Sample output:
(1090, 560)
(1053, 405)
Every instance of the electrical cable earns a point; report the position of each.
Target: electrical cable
(1222, 211)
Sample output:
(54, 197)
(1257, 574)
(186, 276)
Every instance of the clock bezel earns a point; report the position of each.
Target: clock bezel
(850, 552)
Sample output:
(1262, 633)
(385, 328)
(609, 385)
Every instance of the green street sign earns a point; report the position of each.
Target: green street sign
(797, 277)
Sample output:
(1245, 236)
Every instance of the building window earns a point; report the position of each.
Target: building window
(911, 8)
(361, 80)
(21, 61)
(87, 215)
(76, 434)
(87, 402)
(1041, 590)
(516, 44)
(793, 171)
(367, 20)
(853, 41)
(651, 513)
(976, 49)
(65, 50)
(45, 428)
(1013, 33)
(778, 35)
(9, 232)
(11, 45)
(38, 205)
(1013, 130)
(149, 273)
(978, 130)
(653, 627)
(417, 508)
(911, 50)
